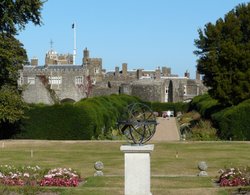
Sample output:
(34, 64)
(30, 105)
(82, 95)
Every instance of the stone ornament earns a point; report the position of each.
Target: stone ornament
(98, 167)
(202, 166)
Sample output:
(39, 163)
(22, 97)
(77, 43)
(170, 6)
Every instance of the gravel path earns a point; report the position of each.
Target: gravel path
(166, 130)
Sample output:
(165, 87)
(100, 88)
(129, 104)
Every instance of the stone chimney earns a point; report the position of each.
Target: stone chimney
(166, 71)
(116, 72)
(139, 73)
(187, 74)
(124, 70)
(158, 74)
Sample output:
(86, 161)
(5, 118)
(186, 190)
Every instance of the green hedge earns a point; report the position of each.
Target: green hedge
(176, 107)
(234, 122)
(205, 105)
(83, 120)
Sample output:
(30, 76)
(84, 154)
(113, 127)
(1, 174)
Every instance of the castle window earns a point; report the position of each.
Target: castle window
(31, 80)
(185, 90)
(93, 81)
(78, 80)
(55, 80)
(96, 70)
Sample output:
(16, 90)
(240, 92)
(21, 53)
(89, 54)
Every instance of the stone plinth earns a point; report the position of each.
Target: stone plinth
(137, 169)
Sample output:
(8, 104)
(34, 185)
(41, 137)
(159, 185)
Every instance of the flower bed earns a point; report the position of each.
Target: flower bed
(61, 177)
(235, 177)
(34, 176)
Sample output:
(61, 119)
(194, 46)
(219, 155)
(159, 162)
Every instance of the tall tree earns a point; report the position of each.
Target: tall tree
(224, 56)
(12, 57)
(14, 15)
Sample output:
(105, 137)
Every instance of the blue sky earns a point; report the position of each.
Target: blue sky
(143, 33)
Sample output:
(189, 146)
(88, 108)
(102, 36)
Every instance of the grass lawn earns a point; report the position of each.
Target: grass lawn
(173, 164)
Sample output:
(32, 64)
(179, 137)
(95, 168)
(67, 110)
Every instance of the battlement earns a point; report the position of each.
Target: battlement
(57, 68)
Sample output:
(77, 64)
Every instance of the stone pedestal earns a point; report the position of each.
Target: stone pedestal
(137, 169)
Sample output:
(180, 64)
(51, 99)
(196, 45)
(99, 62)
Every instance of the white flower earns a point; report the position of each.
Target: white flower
(14, 176)
(1, 175)
(48, 176)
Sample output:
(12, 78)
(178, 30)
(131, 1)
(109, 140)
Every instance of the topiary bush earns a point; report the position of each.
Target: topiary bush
(87, 119)
(205, 105)
(234, 122)
(65, 121)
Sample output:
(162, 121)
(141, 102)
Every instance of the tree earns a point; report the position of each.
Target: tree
(224, 56)
(14, 15)
(12, 57)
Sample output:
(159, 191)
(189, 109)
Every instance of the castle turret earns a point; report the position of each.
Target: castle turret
(85, 56)
(51, 57)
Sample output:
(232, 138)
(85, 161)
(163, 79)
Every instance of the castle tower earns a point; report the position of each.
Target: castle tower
(85, 59)
(51, 57)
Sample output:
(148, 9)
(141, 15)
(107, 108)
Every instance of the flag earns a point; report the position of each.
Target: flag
(73, 25)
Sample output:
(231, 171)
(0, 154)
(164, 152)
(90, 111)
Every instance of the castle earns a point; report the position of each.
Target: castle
(59, 80)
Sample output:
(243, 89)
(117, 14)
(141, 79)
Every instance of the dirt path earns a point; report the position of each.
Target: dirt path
(166, 130)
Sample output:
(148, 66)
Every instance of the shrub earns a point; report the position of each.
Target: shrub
(202, 131)
(86, 119)
(233, 122)
(205, 105)
(64, 121)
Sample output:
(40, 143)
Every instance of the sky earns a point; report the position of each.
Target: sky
(142, 33)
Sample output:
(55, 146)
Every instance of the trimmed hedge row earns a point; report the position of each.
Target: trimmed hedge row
(176, 107)
(205, 105)
(83, 120)
(231, 122)
(234, 122)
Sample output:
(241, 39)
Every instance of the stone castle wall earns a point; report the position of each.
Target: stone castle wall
(39, 91)
(149, 85)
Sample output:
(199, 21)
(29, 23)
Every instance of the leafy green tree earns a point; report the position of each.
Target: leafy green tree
(12, 57)
(11, 105)
(224, 56)
(11, 111)
(14, 15)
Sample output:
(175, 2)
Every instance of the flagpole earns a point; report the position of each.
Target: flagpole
(74, 51)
